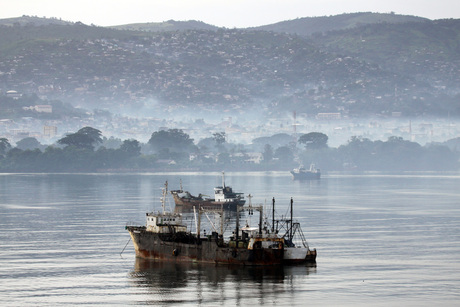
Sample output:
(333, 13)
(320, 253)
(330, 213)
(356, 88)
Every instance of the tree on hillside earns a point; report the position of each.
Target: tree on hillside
(111, 142)
(28, 143)
(268, 153)
(172, 139)
(206, 144)
(314, 140)
(95, 134)
(131, 148)
(4, 146)
(85, 138)
(358, 152)
(276, 140)
(219, 138)
(398, 153)
(284, 154)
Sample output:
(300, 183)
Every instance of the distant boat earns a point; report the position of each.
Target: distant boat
(302, 173)
(223, 197)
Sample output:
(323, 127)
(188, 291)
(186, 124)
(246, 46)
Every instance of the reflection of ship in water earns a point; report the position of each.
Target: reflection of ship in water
(169, 275)
(223, 197)
(200, 284)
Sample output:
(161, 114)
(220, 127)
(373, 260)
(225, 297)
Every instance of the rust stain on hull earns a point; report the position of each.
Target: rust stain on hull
(150, 245)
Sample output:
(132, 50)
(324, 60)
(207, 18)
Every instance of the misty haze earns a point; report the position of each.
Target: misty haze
(383, 89)
(116, 141)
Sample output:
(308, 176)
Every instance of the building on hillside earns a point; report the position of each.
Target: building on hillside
(328, 116)
(49, 131)
(44, 108)
(13, 94)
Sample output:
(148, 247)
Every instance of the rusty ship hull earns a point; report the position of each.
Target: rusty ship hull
(224, 197)
(198, 202)
(183, 247)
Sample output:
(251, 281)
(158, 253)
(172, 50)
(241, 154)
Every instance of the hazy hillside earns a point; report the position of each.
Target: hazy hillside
(300, 26)
(32, 20)
(309, 25)
(428, 50)
(24, 38)
(356, 72)
(170, 25)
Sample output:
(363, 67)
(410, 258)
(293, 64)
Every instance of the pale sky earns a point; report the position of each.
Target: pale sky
(223, 13)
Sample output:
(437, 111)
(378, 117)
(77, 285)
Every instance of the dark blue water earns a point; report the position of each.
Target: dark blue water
(382, 239)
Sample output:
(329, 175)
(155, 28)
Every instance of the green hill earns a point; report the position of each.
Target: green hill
(32, 20)
(170, 25)
(371, 68)
(428, 50)
(309, 25)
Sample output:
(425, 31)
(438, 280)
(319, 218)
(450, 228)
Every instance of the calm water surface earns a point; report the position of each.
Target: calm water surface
(382, 239)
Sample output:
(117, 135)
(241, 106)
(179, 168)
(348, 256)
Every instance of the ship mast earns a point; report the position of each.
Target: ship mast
(290, 234)
(223, 180)
(163, 198)
(273, 215)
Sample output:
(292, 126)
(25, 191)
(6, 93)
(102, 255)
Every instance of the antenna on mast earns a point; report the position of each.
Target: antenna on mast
(295, 123)
(273, 215)
(163, 197)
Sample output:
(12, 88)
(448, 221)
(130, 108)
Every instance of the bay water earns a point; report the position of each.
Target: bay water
(382, 239)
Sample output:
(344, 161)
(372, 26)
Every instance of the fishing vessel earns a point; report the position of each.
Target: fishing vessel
(166, 238)
(223, 196)
(301, 173)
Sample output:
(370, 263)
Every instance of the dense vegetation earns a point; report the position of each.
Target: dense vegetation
(428, 50)
(353, 64)
(87, 151)
(310, 25)
(369, 64)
